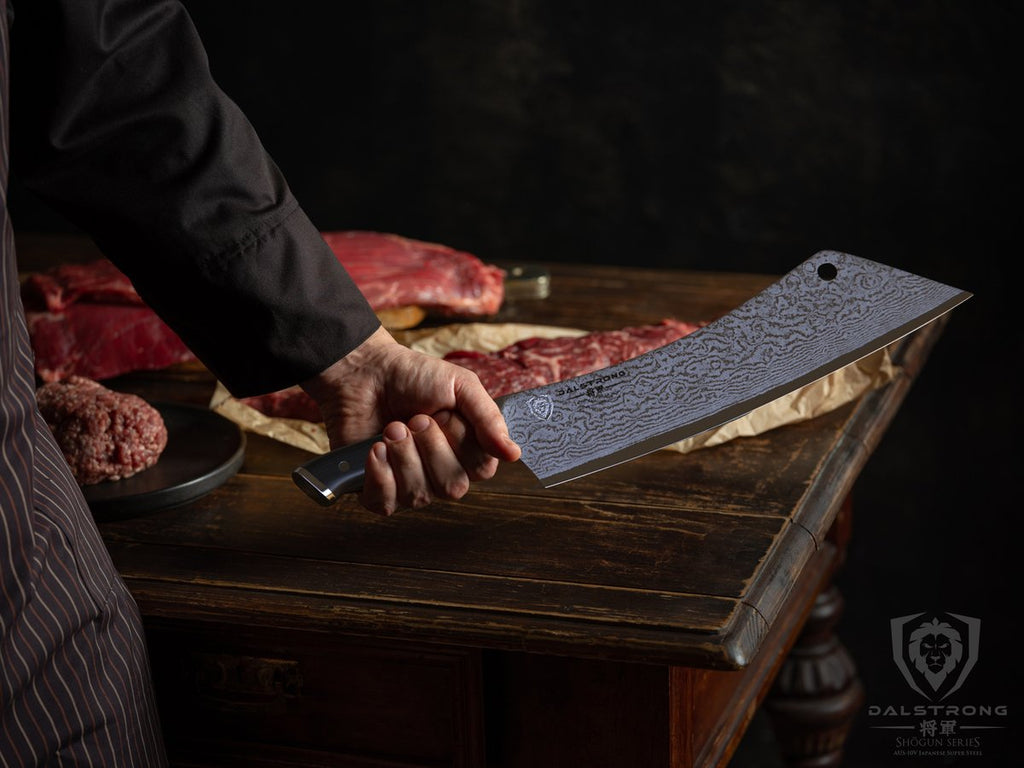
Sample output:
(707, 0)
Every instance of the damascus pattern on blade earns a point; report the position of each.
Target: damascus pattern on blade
(829, 311)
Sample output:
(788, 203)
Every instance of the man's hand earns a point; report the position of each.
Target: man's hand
(441, 429)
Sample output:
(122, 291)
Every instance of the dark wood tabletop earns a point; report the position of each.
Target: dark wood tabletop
(686, 560)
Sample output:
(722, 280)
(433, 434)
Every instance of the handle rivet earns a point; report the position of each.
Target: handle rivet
(344, 466)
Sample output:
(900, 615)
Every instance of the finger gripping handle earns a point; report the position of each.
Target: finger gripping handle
(339, 471)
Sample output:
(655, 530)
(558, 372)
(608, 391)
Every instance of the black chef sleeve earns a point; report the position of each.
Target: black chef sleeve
(118, 124)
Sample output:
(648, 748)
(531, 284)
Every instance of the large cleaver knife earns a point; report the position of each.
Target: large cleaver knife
(831, 310)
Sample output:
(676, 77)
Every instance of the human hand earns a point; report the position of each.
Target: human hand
(441, 430)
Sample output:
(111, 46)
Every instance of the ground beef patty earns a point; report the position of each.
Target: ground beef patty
(104, 435)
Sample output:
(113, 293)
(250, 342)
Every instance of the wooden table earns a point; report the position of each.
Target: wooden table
(633, 618)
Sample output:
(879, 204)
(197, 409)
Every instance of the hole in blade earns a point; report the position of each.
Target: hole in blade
(827, 271)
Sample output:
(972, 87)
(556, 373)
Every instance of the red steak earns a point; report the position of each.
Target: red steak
(101, 341)
(394, 271)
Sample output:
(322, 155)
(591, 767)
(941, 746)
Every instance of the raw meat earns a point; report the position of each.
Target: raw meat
(390, 270)
(104, 435)
(394, 271)
(525, 364)
(87, 319)
(58, 288)
(290, 403)
(100, 341)
(536, 361)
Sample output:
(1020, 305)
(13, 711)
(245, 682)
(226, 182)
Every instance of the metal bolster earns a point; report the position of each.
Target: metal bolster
(313, 487)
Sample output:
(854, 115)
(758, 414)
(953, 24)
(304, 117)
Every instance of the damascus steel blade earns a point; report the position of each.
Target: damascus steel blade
(828, 312)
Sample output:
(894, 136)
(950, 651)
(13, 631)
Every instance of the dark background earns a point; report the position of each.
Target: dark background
(738, 136)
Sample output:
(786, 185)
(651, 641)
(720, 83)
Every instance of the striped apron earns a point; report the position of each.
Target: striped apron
(74, 676)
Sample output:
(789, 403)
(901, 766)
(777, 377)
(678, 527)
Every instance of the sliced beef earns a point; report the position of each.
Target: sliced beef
(395, 271)
(104, 435)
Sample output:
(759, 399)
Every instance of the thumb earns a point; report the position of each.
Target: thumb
(485, 418)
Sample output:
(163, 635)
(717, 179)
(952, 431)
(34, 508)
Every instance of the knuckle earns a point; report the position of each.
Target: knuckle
(420, 498)
(457, 488)
(485, 470)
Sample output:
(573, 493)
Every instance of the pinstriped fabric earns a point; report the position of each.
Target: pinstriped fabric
(74, 677)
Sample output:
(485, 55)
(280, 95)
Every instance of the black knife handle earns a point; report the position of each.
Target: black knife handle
(339, 471)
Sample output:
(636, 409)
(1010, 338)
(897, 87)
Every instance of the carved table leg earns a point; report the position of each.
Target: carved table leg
(816, 694)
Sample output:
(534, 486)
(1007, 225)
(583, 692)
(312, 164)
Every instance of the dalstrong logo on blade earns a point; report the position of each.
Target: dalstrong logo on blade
(935, 651)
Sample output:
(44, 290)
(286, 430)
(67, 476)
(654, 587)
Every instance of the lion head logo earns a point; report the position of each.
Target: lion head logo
(935, 649)
(935, 652)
